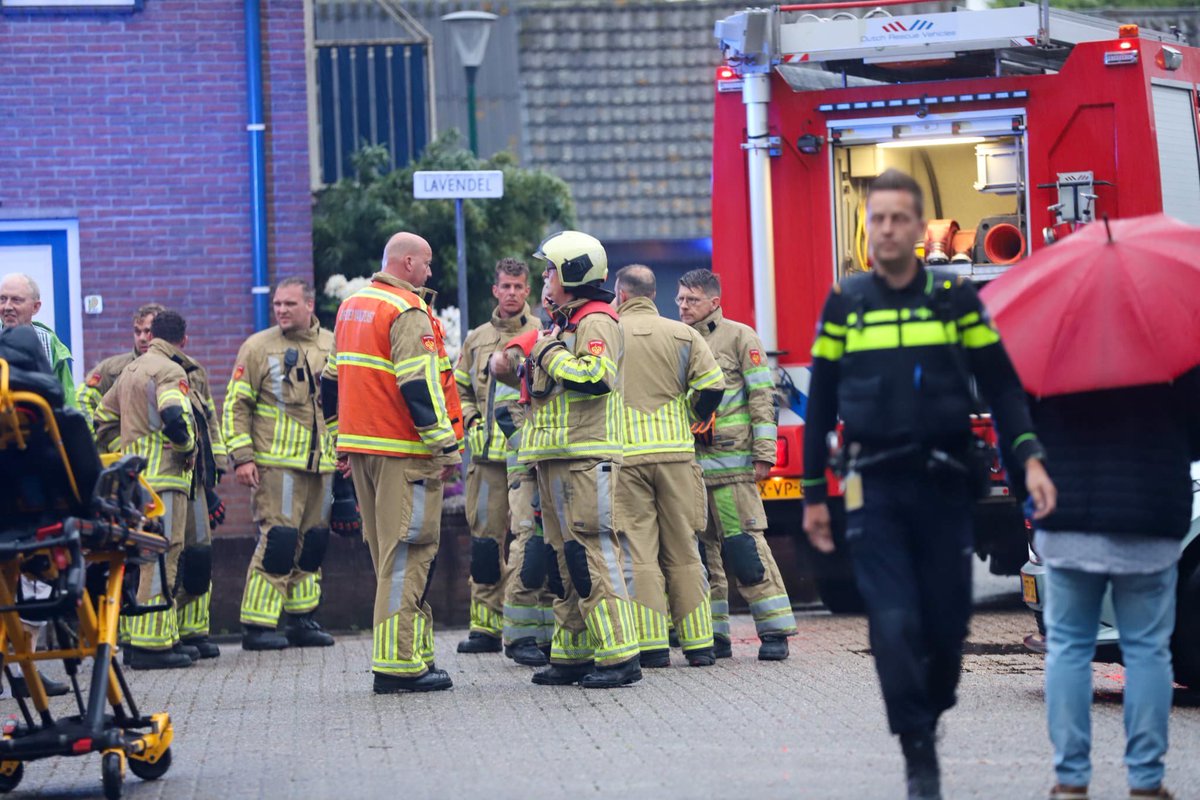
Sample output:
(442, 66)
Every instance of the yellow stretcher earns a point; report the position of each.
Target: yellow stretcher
(73, 522)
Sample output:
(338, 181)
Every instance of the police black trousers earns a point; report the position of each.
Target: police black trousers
(911, 545)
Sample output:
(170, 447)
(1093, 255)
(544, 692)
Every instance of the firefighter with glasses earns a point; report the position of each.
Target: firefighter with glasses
(736, 448)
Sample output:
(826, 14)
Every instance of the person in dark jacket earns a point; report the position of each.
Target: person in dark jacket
(1121, 460)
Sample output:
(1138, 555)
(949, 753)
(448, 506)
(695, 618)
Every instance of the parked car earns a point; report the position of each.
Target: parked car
(1185, 643)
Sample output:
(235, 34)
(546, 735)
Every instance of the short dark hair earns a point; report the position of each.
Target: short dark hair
(637, 280)
(170, 326)
(147, 310)
(892, 180)
(306, 288)
(702, 279)
(511, 266)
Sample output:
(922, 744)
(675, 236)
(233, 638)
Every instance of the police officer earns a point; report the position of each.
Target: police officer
(148, 412)
(281, 450)
(391, 388)
(893, 354)
(104, 374)
(487, 437)
(574, 435)
(736, 448)
(670, 376)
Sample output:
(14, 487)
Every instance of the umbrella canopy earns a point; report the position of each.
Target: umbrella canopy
(1111, 305)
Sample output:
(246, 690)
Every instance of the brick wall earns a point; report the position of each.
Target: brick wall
(137, 121)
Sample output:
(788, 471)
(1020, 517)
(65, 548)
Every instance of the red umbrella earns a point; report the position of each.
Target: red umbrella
(1111, 305)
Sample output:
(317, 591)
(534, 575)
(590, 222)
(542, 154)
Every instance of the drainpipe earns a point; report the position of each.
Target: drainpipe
(756, 94)
(257, 130)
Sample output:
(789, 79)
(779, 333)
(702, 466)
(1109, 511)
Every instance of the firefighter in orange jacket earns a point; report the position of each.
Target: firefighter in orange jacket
(389, 388)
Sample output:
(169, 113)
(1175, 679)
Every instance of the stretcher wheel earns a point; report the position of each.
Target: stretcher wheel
(113, 775)
(10, 782)
(151, 772)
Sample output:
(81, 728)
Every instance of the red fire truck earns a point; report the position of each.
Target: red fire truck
(1020, 123)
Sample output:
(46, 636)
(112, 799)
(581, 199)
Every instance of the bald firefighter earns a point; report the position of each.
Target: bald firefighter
(104, 375)
(148, 412)
(670, 378)
(574, 435)
(486, 406)
(391, 388)
(281, 450)
(737, 448)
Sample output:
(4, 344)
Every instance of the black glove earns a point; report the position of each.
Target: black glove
(344, 519)
(703, 430)
(216, 509)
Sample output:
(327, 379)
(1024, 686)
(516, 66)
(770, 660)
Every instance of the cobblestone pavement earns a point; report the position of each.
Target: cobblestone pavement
(304, 723)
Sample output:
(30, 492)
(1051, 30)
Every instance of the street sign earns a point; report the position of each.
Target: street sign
(458, 184)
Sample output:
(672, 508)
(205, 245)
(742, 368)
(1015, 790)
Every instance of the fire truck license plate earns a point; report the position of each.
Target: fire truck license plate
(1029, 588)
(780, 489)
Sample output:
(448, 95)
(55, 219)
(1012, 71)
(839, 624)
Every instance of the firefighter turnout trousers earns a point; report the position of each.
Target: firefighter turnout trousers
(487, 517)
(661, 536)
(401, 504)
(193, 587)
(291, 508)
(593, 617)
(159, 630)
(734, 538)
(528, 602)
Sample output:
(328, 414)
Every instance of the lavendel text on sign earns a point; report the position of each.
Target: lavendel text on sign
(429, 185)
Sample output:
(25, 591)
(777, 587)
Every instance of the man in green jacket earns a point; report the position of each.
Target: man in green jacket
(20, 300)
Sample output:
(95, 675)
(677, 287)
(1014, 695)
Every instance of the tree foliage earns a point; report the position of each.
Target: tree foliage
(353, 219)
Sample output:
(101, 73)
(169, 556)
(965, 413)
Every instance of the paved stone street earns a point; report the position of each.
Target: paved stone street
(305, 724)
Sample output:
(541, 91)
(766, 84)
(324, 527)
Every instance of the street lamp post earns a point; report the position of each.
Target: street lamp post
(470, 30)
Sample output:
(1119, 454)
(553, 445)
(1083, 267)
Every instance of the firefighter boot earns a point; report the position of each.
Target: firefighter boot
(257, 637)
(774, 647)
(655, 659)
(203, 645)
(191, 652)
(477, 642)
(702, 657)
(563, 674)
(302, 630)
(622, 674)
(921, 765)
(525, 651)
(141, 658)
(432, 681)
(722, 647)
(53, 688)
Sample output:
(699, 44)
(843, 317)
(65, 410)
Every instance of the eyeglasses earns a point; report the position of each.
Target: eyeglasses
(689, 301)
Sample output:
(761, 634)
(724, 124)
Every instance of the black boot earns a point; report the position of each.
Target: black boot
(563, 674)
(141, 658)
(921, 765)
(655, 659)
(53, 688)
(702, 657)
(191, 652)
(774, 647)
(303, 630)
(432, 681)
(477, 642)
(622, 674)
(525, 651)
(673, 639)
(203, 645)
(722, 647)
(256, 637)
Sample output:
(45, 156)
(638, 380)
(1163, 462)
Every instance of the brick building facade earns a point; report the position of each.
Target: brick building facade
(135, 123)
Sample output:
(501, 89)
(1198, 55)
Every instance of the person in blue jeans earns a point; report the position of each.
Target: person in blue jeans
(1121, 460)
